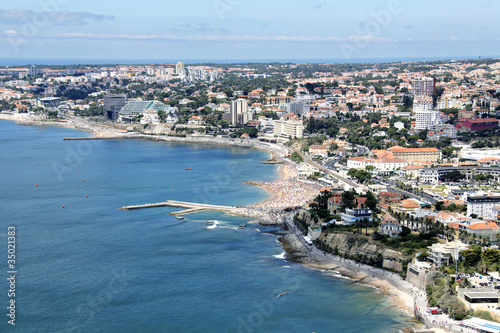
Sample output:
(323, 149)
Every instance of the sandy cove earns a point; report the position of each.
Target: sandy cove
(297, 252)
(398, 299)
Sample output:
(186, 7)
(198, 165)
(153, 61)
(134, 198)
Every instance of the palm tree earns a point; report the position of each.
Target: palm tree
(366, 222)
(483, 266)
(448, 232)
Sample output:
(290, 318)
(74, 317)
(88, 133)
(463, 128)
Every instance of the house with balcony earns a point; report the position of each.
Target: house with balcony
(440, 254)
(351, 216)
(390, 226)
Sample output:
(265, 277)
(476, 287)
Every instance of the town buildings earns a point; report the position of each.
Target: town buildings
(426, 119)
(381, 165)
(135, 109)
(483, 229)
(410, 155)
(477, 124)
(390, 226)
(113, 103)
(351, 216)
(423, 86)
(482, 206)
(290, 127)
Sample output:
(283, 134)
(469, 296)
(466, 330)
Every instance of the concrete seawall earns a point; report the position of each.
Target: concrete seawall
(189, 207)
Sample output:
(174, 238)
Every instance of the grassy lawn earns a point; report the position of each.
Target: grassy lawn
(437, 191)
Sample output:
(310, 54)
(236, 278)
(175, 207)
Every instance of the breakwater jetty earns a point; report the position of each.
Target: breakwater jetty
(189, 207)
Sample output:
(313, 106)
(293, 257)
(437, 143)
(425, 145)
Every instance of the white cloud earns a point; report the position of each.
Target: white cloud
(21, 16)
(223, 38)
(10, 32)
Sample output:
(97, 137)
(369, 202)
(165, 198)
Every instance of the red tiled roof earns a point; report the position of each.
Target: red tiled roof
(483, 120)
(484, 226)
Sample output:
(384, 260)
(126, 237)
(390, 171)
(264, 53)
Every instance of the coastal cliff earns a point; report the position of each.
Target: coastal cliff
(357, 246)
(360, 248)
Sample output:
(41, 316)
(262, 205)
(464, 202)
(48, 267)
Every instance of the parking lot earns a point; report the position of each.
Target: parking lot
(478, 280)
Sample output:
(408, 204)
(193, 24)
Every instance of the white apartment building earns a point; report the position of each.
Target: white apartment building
(425, 119)
(482, 206)
(266, 123)
(289, 128)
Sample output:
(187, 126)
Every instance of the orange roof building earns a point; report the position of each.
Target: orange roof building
(410, 155)
(484, 229)
(407, 206)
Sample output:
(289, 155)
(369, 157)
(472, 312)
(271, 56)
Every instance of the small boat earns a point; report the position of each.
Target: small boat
(180, 217)
(187, 169)
(242, 226)
(211, 222)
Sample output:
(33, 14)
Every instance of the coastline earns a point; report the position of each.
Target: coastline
(106, 132)
(267, 212)
(296, 250)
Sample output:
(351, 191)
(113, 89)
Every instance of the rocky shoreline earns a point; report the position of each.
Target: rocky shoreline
(297, 252)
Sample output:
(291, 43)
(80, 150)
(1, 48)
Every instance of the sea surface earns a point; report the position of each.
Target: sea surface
(83, 265)
(69, 62)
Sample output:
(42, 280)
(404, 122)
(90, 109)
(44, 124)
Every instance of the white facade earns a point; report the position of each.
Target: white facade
(378, 164)
(305, 170)
(399, 125)
(150, 117)
(429, 175)
(266, 123)
(236, 109)
(356, 163)
(391, 229)
(289, 128)
(482, 206)
(425, 119)
(475, 154)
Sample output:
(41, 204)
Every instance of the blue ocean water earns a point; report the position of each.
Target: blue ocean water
(90, 267)
(70, 62)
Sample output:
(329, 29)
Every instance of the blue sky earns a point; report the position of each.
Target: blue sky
(244, 29)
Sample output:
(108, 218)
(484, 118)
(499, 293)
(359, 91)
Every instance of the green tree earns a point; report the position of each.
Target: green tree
(490, 256)
(371, 201)
(348, 199)
(251, 131)
(472, 257)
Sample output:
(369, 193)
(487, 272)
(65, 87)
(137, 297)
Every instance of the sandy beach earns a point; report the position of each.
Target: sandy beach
(398, 299)
(297, 252)
(287, 190)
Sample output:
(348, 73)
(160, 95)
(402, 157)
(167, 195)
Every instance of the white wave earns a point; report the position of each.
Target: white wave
(213, 226)
(285, 266)
(280, 256)
(339, 276)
